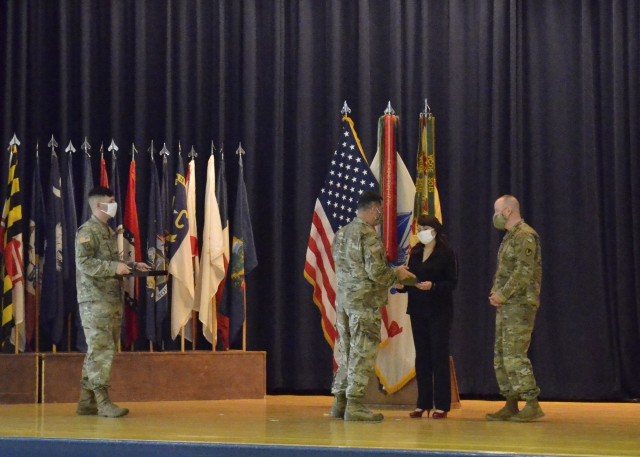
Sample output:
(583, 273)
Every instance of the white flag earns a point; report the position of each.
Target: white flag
(396, 354)
(212, 269)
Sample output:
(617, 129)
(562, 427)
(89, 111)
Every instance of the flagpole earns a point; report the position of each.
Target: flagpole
(70, 149)
(53, 144)
(244, 324)
(13, 149)
(69, 332)
(151, 151)
(194, 315)
(214, 305)
(37, 294)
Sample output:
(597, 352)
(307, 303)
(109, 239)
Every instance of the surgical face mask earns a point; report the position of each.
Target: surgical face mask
(112, 208)
(499, 221)
(426, 236)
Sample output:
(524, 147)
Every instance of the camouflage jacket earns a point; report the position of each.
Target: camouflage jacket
(519, 271)
(362, 273)
(96, 261)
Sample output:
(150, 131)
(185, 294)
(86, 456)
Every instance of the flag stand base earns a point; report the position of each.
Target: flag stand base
(21, 386)
(161, 376)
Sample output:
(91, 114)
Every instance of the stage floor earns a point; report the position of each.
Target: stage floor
(572, 429)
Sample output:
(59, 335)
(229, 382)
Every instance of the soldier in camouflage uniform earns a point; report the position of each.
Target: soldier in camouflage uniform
(100, 302)
(363, 278)
(516, 296)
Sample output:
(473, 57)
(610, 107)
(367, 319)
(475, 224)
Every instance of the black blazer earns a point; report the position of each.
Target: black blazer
(441, 268)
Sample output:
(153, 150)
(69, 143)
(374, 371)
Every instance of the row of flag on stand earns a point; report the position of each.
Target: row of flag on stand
(403, 202)
(207, 284)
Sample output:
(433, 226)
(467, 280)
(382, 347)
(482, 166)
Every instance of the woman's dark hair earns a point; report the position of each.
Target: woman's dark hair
(428, 220)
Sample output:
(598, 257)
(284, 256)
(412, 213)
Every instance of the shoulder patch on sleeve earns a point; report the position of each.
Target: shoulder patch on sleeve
(83, 239)
(529, 246)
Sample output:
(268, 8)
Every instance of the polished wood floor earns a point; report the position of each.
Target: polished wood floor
(573, 429)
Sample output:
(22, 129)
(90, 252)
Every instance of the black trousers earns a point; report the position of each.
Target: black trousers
(431, 339)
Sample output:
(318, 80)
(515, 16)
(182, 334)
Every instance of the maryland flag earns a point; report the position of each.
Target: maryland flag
(396, 354)
(427, 200)
(11, 234)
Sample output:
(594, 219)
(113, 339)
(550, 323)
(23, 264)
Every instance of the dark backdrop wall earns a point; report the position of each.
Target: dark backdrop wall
(539, 99)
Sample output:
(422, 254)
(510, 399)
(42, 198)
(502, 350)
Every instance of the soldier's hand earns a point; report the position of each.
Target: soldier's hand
(122, 269)
(140, 266)
(403, 273)
(495, 300)
(424, 285)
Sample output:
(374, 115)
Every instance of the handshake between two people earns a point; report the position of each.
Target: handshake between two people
(406, 278)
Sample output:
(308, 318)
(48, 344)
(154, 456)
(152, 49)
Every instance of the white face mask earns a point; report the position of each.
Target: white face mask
(112, 208)
(426, 236)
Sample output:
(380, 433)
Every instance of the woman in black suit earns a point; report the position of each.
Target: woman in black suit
(430, 306)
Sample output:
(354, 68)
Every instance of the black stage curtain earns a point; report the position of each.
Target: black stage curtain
(535, 98)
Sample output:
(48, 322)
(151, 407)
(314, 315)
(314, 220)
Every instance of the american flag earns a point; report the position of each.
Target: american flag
(349, 175)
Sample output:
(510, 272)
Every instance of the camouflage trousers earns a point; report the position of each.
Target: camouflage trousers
(101, 322)
(514, 373)
(358, 339)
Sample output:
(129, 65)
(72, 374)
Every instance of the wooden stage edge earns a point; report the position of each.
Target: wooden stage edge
(301, 426)
(139, 376)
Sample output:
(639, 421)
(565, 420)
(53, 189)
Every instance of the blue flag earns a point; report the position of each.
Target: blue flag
(156, 298)
(35, 257)
(52, 312)
(87, 185)
(222, 296)
(180, 261)
(243, 260)
(116, 222)
(166, 205)
(69, 228)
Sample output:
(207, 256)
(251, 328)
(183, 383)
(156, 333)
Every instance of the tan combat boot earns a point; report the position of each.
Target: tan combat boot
(531, 411)
(356, 411)
(87, 405)
(509, 410)
(339, 405)
(105, 407)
